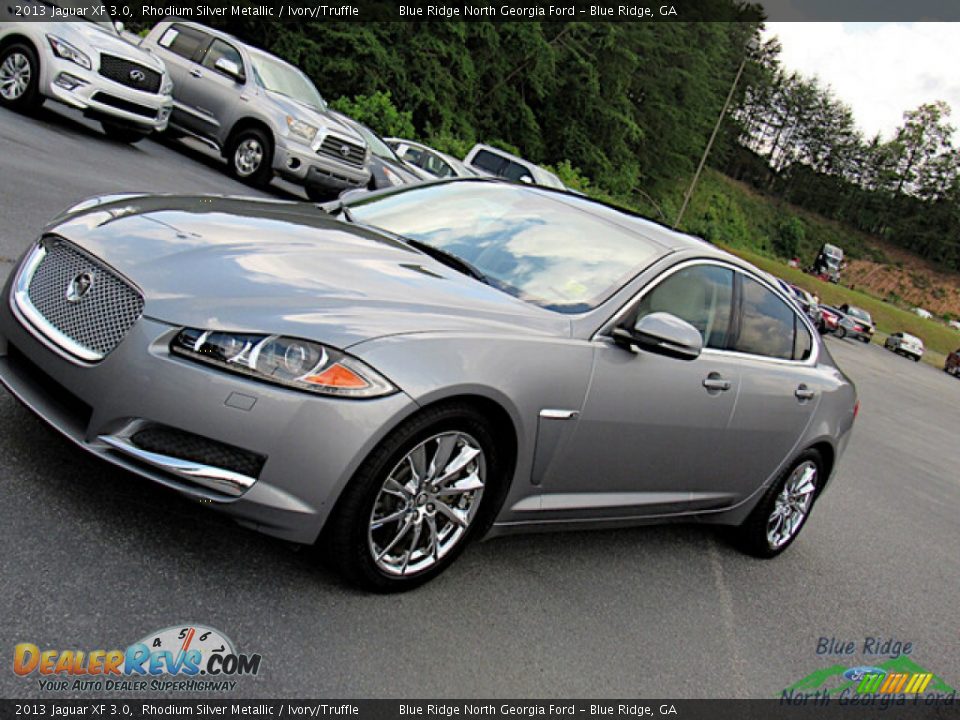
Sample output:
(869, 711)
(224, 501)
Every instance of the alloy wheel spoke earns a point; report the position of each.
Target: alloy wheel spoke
(464, 458)
(413, 546)
(445, 447)
(397, 538)
(418, 463)
(392, 517)
(456, 516)
(464, 485)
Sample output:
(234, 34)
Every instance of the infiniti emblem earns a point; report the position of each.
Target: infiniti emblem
(79, 287)
(138, 76)
(345, 150)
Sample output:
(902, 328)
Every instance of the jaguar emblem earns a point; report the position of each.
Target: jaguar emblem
(78, 288)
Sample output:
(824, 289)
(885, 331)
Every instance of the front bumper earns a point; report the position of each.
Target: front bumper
(302, 165)
(95, 95)
(310, 446)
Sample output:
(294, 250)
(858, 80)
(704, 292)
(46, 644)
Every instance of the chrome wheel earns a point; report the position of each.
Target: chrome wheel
(792, 505)
(15, 74)
(427, 503)
(248, 157)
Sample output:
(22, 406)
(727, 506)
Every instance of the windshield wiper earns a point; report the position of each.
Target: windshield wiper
(448, 259)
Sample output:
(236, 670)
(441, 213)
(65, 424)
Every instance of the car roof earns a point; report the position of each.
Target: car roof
(908, 336)
(423, 146)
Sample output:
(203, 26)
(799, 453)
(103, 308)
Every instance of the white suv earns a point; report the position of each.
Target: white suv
(86, 65)
(905, 344)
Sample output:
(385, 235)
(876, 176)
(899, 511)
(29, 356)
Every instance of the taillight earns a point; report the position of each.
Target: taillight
(856, 409)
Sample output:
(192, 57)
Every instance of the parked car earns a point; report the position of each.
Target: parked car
(494, 162)
(829, 320)
(828, 263)
(264, 115)
(955, 324)
(426, 365)
(925, 314)
(905, 344)
(952, 363)
(85, 65)
(434, 162)
(387, 169)
(859, 326)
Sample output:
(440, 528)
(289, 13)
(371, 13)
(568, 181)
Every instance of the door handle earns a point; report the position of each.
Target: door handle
(715, 383)
(804, 393)
(196, 73)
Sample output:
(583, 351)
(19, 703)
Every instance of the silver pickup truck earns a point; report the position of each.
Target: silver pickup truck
(264, 115)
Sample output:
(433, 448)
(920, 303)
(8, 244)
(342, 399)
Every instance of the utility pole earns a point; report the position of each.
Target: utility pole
(751, 45)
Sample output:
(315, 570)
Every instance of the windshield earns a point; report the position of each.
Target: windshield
(564, 254)
(859, 314)
(377, 146)
(279, 77)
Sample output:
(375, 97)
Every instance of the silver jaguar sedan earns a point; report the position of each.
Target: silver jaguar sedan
(394, 375)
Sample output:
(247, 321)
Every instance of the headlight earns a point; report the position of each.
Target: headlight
(285, 361)
(392, 176)
(68, 52)
(304, 131)
(167, 86)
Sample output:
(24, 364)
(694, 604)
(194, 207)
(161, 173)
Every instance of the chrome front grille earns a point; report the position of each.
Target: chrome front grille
(343, 150)
(75, 301)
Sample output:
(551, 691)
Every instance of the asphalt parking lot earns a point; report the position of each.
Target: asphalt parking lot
(96, 558)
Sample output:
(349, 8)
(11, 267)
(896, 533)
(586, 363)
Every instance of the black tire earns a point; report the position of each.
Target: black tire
(751, 536)
(243, 166)
(123, 133)
(319, 193)
(345, 538)
(865, 340)
(29, 98)
(916, 359)
(840, 332)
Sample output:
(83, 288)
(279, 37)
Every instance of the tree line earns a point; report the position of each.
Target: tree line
(624, 111)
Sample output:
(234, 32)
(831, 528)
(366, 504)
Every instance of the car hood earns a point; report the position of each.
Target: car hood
(264, 266)
(106, 42)
(328, 122)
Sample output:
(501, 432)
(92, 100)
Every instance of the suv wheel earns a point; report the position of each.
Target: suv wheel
(123, 133)
(251, 157)
(777, 519)
(416, 502)
(20, 78)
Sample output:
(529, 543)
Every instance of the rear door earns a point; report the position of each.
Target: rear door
(181, 48)
(780, 385)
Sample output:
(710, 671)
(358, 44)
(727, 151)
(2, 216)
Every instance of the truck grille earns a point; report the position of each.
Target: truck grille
(343, 151)
(76, 301)
(131, 74)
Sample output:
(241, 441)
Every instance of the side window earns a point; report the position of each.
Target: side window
(701, 295)
(183, 41)
(516, 171)
(220, 49)
(767, 324)
(486, 160)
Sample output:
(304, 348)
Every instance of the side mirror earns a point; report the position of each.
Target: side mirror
(664, 334)
(119, 26)
(527, 180)
(229, 68)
